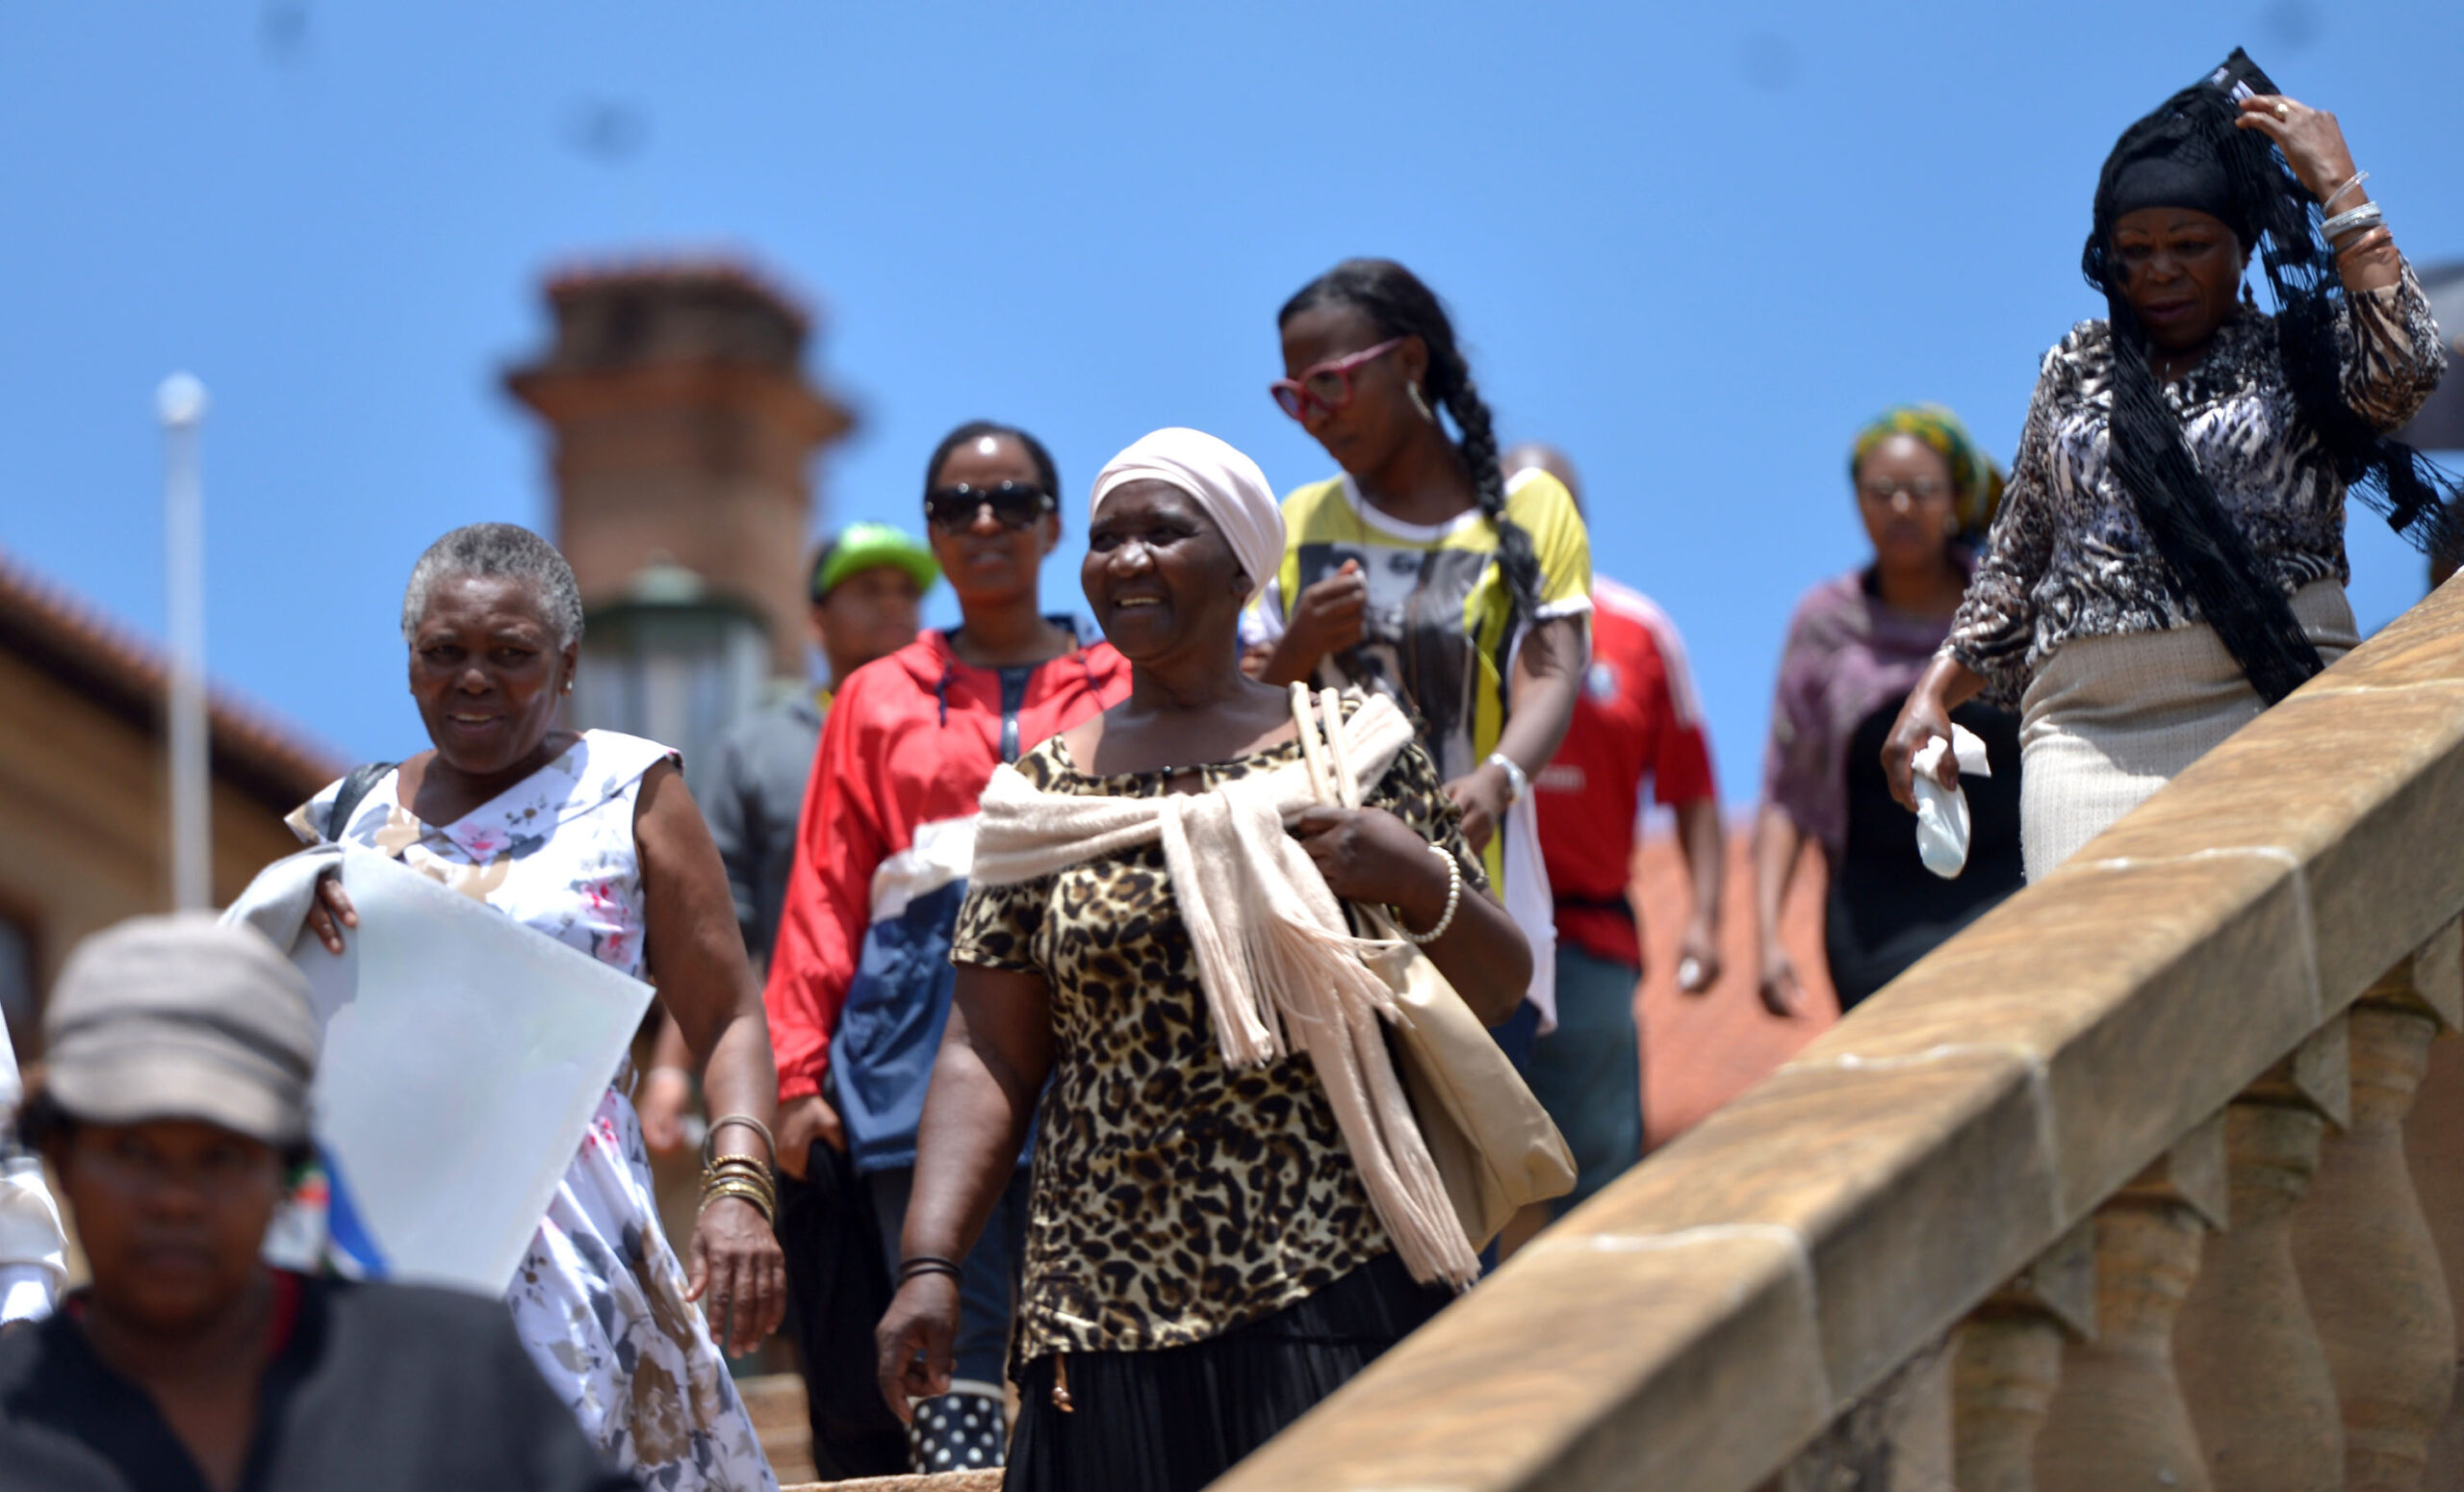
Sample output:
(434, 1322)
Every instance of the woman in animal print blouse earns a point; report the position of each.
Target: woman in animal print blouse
(1206, 1253)
(2169, 557)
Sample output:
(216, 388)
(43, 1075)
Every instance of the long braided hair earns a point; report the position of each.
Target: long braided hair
(2207, 555)
(1396, 302)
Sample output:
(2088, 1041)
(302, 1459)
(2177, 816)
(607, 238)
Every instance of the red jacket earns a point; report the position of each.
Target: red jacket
(883, 849)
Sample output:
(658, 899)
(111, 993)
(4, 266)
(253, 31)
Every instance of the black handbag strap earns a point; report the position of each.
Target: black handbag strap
(354, 788)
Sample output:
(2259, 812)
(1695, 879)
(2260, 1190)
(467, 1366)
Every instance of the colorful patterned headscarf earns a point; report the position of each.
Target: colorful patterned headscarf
(1976, 482)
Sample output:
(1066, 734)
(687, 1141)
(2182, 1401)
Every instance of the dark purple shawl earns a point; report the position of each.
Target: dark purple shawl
(1847, 655)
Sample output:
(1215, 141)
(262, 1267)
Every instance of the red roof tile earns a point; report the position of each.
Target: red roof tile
(43, 625)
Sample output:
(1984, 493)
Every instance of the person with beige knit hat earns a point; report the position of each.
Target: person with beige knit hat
(179, 1055)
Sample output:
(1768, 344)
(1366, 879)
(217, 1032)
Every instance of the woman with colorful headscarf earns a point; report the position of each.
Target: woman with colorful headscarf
(1232, 1210)
(2170, 557)
(1857, 643)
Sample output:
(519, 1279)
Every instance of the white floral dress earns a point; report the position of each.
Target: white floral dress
(599, 1296)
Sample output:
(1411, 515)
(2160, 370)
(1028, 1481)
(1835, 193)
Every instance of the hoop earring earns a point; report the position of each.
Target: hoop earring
(1420, 402)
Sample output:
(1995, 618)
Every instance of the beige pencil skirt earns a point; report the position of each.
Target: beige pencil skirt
(2109, 720)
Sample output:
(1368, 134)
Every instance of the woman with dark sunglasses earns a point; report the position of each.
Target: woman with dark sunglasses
(860, 982)
(1424, 572)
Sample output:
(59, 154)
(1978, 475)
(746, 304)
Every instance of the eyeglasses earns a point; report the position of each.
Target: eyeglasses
(1327, 387)
(1922, 490)
(1015, 504)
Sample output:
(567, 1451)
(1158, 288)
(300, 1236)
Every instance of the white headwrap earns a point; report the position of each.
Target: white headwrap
(1227, 484)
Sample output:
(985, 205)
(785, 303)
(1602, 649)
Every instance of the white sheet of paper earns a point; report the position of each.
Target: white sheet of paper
(464, 1056)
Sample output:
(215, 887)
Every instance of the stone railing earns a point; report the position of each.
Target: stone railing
(2110, 1192)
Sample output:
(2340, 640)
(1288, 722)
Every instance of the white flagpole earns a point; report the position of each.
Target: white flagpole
(181, 403)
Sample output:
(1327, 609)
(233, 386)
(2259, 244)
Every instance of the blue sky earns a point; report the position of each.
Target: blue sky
(1696, 248)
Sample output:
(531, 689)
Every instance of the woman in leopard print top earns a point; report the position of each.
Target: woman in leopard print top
(1203, 1261)
(2157, 576)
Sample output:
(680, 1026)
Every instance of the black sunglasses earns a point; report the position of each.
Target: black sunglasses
(1016, 504)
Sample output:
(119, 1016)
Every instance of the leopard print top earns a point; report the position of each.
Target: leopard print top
(1172, 1197)
(2068, 558)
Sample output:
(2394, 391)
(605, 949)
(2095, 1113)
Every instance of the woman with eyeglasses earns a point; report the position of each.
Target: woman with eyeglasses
(1425, 573)
(860, 982)
(1857, 645)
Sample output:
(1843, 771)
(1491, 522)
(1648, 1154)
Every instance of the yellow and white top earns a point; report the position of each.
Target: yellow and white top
(1440, 636)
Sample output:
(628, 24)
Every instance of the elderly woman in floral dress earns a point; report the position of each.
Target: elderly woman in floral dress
(591, 838)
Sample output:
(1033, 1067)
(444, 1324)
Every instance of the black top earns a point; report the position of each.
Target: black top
(378, 1388)
(1886, 909)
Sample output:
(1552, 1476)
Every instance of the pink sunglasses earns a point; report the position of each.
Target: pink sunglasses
(1327, 387)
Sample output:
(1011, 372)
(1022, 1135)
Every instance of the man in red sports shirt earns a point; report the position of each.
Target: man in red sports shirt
(1638, 717)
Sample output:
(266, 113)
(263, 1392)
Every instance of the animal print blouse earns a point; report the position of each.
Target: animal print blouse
(2068, 557)
(1172, 1198)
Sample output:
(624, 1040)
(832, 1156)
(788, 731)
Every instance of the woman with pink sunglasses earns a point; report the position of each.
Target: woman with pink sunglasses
(1423, 572)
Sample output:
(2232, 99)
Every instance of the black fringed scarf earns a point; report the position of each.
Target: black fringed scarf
(2190, 154)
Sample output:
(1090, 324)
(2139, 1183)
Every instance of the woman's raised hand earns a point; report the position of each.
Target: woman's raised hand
(2313, 142)
(1331, 614)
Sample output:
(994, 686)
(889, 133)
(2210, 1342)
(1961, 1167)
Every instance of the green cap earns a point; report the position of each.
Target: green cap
(861, 547)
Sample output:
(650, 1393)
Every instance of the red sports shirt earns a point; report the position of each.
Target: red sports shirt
(1638, 716)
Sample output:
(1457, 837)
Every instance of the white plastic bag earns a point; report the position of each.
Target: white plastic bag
(1941, 812)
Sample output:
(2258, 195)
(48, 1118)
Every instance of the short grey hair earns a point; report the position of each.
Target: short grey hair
(497, 550)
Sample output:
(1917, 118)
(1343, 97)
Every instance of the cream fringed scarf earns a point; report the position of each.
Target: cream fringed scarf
(1277, 957)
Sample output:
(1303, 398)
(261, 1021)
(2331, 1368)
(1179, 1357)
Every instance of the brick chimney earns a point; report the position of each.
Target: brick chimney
(684, 430)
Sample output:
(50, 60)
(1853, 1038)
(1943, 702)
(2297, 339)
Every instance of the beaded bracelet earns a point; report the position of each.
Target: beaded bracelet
(1454, 898)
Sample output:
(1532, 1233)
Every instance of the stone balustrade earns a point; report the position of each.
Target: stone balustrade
(2110, 1192)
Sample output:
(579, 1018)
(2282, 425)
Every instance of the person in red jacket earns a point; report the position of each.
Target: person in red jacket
(860, 981)
(1639, 718)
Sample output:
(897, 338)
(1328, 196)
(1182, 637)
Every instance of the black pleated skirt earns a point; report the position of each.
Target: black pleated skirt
(1175, 1419)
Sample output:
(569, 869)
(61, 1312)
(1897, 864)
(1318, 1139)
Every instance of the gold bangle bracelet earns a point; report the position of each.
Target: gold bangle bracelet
(758, 1180)
(757, 1200)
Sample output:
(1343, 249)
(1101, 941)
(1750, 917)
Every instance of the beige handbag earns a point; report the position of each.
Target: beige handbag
(1496, 1149)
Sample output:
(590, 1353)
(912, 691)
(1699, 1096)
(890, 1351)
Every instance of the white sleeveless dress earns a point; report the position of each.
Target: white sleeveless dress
(598, 1300)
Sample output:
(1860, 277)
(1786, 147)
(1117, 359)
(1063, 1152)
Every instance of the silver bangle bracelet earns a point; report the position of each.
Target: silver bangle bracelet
(1518, 782)
(2367, 216)
(2328, 205)
(1454, 898)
